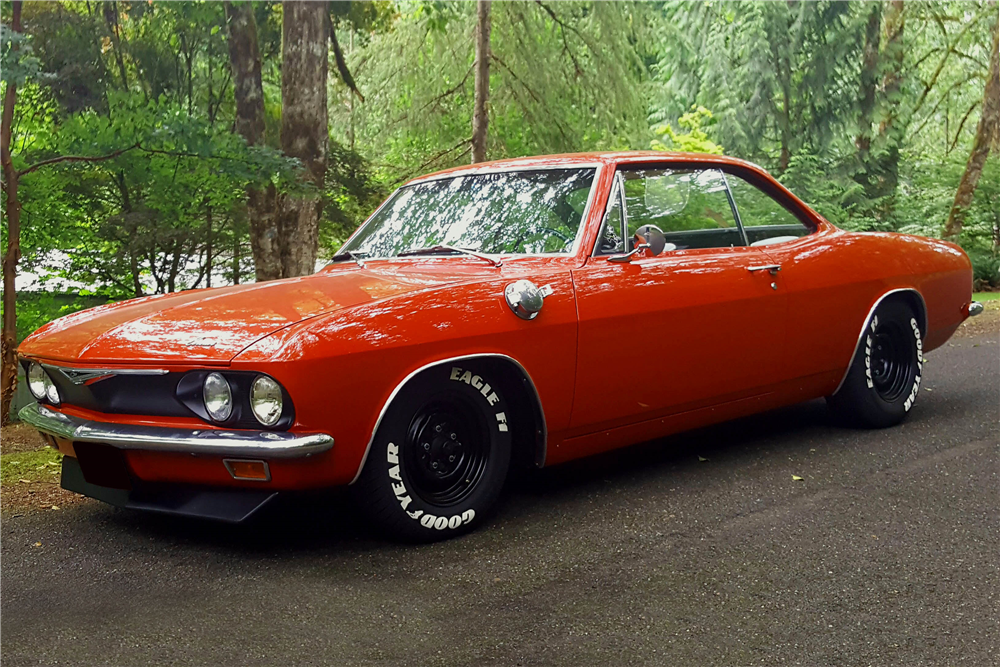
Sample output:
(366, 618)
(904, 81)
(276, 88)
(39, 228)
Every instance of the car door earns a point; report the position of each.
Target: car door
(825, 303)
(697, 325)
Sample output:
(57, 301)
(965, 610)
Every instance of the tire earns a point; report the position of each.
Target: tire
(440, 456)
(884, 378)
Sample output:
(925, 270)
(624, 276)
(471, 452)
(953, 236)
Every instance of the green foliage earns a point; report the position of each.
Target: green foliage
(42, 465)
(695, 140)
(778, 83)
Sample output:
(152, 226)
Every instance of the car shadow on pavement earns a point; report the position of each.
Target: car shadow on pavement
(295, 524)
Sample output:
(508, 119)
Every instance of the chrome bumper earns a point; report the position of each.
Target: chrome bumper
(256, 444)
(975, 308)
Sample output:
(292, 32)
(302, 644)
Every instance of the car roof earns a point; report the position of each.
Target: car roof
(570, 160)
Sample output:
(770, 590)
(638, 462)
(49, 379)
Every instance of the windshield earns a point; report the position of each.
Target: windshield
(520, 212)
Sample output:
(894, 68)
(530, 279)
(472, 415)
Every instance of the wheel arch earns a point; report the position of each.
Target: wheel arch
(909, 295)
(530, 431)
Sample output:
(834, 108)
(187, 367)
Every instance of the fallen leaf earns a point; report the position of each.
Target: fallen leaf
(24, 481)
(702, 458)
(38, 544)
(55, 507)
(928, 389)
(925, 361)
(796, 478)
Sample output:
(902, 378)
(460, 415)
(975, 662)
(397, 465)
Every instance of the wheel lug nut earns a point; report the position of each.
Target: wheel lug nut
(451, 458)
(454, 436)
(427, 446)
(435, 465)
(437, 429)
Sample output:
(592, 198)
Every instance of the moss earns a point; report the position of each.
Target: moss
(37, 466)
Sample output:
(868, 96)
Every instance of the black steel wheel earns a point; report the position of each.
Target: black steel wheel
(440, 455)
(883, 380)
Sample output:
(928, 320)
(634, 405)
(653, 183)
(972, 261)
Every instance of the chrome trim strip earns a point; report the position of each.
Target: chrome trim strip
(975, 308)
(864, 325)
(249, 444)
(84, 375)
(494, 355)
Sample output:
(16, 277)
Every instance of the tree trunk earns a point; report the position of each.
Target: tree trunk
(987, 133)
(893, 125)
(304, 129)
(244, 59)
(869, 82)
(480, 116)
(8, 371)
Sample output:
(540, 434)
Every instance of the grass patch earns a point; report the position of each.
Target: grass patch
(42, 465)
(986, 296)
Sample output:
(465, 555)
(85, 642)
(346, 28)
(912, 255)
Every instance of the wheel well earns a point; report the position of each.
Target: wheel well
(527, 421)
(529, 431)
(914, 300)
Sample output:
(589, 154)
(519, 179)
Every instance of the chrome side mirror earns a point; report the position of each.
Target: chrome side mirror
(647, 237)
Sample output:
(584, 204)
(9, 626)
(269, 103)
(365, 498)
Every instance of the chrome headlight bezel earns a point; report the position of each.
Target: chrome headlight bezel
(266, 400)
(217, 397)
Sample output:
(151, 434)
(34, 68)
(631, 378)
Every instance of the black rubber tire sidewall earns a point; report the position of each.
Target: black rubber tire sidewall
(385, 490)
(858, 402)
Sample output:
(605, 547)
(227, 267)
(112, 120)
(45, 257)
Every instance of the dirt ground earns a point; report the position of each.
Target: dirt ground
(30, 494)
(987, 322)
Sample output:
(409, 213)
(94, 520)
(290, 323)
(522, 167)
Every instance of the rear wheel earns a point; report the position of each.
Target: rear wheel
(439, 458)
(884, 378)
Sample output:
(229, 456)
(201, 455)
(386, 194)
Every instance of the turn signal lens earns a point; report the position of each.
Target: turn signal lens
(265, 400)
(218, 397)
(253, 470)
(36, 380)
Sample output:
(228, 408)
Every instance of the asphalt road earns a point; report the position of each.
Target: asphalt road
(887, 553)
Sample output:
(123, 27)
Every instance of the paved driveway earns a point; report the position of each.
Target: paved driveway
(887, 553)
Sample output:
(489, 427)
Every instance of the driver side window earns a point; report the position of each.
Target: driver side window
(690, 206)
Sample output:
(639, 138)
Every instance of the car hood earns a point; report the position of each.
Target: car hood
(211, 325)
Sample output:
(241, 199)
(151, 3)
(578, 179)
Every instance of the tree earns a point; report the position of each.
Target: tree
(304, 131)
(480, 115)
(987, 133)
(12, 209)
(244, 58)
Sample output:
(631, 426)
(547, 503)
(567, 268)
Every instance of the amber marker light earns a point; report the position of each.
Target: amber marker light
(255, 471)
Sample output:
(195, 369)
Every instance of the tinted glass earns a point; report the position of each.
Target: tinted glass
(691, 207)
(764, 219)
(509, 212)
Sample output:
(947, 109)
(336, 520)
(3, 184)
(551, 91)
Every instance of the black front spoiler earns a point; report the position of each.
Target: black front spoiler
(230, 505)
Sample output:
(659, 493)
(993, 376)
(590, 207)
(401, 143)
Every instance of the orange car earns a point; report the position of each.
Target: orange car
(526, 311)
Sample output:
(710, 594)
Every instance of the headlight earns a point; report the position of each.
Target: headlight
(265, 400)
(51, 392)
(36, 380)
(218, 397)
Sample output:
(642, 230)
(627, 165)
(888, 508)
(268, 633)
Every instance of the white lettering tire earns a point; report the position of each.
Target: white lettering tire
(883, 381)
(440, 456)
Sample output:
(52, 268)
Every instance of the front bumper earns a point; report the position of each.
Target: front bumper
(249, 444)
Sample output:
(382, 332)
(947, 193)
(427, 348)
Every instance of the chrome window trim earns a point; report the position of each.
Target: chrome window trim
(572, 252)
(736, 210)
(237, 443)
(494, 355)
(864, 325)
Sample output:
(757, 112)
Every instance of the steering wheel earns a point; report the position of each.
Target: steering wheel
(556, 232)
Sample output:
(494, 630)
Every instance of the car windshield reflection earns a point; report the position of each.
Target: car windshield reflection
(499, 213)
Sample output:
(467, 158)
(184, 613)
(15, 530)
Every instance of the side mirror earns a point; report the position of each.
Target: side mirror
(647, 237)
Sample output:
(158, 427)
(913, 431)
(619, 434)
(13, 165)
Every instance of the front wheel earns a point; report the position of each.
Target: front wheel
(884, 378)
(439, 457)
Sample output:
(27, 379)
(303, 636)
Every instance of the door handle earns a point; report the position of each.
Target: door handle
(773, 268)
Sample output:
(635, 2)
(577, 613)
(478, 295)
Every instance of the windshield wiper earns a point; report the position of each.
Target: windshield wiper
(356, 257)
(442, 249)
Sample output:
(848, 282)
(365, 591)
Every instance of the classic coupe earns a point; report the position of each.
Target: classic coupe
(521, 312)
